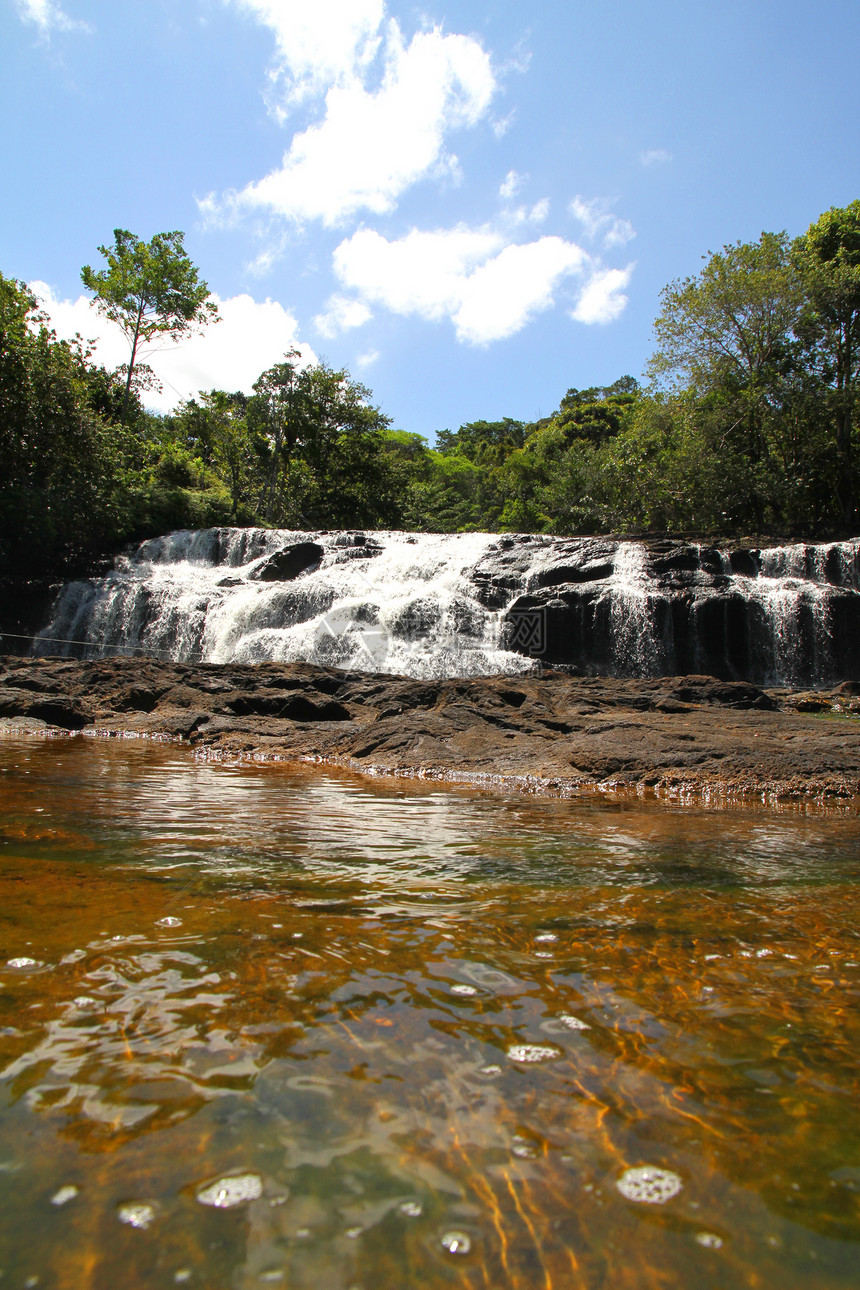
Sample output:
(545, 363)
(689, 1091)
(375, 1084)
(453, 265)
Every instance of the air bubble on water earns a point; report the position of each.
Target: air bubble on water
(648, 1185)
(136, 1215)
(457, 1242)
(463, 989)
(524, 1152)
(763, 954)
(297, 936)
(491, 1070)
(544, 954)
(411, 1209)
(227, 1192)
(709, 1240)
(170, 921)
(573, 1023)
(84, 1001)
(526, 1053)
(22, 963)
(709, 957)
(64, 1195)
(546, 936)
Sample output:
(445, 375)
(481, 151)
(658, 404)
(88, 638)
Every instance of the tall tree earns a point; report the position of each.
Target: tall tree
(829, 260)
(150, 290)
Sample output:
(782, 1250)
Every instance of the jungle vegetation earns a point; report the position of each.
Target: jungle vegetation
(748, 422)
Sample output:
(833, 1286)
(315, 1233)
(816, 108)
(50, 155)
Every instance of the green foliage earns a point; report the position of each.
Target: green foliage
(750, 423)
(59, 467)
(151, 290)
(828, 261)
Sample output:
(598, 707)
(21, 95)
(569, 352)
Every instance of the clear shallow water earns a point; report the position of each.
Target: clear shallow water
(267, 1026)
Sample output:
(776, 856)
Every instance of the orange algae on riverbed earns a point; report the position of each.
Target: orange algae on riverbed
(412, 1037)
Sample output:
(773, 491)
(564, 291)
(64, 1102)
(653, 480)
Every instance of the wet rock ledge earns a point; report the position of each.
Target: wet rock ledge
(555, 732)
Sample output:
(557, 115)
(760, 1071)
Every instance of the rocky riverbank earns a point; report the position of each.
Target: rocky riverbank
(558, 733)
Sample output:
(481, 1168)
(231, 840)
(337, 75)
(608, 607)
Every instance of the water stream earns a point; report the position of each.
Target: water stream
(472, 604)
(264, 1026)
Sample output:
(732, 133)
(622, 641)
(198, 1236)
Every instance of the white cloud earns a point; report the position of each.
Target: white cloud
(342, 314)
(422, 273)
(486, 285)
(48, 17)
(539, 211)
(511, 185)
(620, 232)
(598, 222)
(654, 157)
(229, 355)
(602, 299)
(368, 359)
(502, 295)
(372, 143)
(319, 44)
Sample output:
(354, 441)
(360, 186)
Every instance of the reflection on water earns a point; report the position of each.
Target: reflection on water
(268, 1026)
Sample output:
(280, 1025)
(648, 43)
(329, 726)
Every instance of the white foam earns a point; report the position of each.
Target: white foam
(64, 1195)
(648, 1185)
(136, 1214)
(235, 1190)
(457, 1242)
(573, 1023)
(526, 1053)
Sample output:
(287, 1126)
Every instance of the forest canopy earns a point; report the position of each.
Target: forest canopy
(748, 424)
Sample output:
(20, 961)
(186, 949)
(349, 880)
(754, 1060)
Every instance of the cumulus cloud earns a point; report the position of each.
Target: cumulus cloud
(486, 285)
(318, 45)
(48, 17)
(373, 141)
(654, 157)
(342, 314)
(598, 222)
(229, 355)
(602, 299)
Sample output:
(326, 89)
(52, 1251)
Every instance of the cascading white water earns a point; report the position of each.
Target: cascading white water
(793, 590)
(635, 646)
(409, 609)
(429, 605)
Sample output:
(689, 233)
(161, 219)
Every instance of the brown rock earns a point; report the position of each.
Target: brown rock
(554, 732)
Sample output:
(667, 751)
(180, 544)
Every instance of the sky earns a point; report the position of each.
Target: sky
(471, 205)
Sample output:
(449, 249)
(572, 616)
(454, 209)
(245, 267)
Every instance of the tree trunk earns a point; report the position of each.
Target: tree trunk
(131, 361)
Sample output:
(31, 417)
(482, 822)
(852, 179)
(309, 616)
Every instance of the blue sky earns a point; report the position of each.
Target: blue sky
(470, 204)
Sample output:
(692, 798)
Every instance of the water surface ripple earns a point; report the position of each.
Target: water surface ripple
(268, 1025)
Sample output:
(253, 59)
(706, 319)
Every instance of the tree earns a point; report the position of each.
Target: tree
(728, 336)
(828, 257)
(149, 289)
(320, 444)
(58, 470)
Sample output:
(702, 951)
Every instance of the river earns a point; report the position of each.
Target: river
(271, 1025)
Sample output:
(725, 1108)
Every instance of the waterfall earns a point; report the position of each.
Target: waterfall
(635, 642)
(470, 604)
(394, 602)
